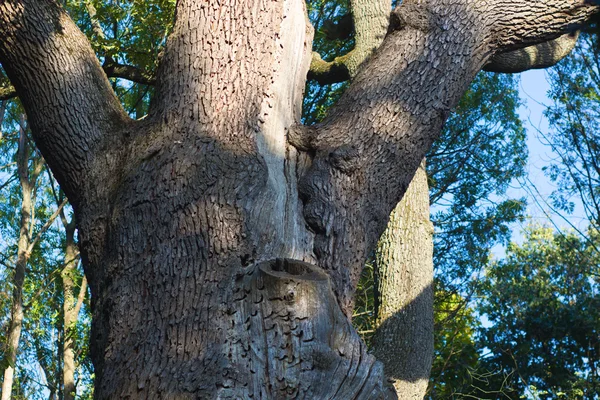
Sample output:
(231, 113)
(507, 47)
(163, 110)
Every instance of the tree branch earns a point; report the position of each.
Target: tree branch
(80, 296)
(327, 72)
(7, 93)
(517, 24)
(368, 148)
(112, 69)
(69, 101)
(538, 56)
(128, 72)
(370, 20)
(47, 225)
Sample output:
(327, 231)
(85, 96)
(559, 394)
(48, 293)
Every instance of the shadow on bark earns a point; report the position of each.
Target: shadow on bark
(404, 341)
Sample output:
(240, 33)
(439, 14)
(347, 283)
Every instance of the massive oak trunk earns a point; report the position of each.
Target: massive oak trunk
(186, 218)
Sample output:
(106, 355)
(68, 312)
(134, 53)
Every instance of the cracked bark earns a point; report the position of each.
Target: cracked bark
(178, 213)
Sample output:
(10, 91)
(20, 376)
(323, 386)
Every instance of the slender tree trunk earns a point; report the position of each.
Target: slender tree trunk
(28, 178)
(403, 340)
(71, 307)
(16, 317)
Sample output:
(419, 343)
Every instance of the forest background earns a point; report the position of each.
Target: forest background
(523, 323)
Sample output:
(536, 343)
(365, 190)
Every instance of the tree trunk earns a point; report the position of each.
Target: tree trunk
(27, 183)
(182, 216)
(403, 340)
(71, 307)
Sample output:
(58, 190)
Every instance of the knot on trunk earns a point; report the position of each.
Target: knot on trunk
(415, 16)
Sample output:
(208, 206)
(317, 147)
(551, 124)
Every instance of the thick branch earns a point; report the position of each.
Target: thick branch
(68, 99)
(515, 24)
(538, 56)
(370, 145)
(370, 19)
(111, 69)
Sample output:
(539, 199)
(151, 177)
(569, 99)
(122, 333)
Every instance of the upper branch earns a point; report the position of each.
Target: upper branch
(68, 99)
(516, 24)
(370, 145)
(370, 19)
(538, 56)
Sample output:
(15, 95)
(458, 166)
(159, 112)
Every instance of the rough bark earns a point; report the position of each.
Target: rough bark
(177, 212)
(538, 56)
(404, 254)
(403, 340)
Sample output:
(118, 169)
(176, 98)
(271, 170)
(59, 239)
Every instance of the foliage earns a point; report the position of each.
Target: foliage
(363, 316)
(481, 150)
(38, 364)
(543, 304)
(456, 353)
(130, 32)
(575, 133)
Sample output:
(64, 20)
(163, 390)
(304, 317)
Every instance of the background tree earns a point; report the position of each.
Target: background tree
(29, 167)
(29, 255)
(574, 133)
(543, 302)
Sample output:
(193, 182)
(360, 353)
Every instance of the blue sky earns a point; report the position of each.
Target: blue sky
(537, 187)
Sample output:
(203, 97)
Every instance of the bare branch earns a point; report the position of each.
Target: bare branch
(47, 225)
(80, 296)
(128, 72)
